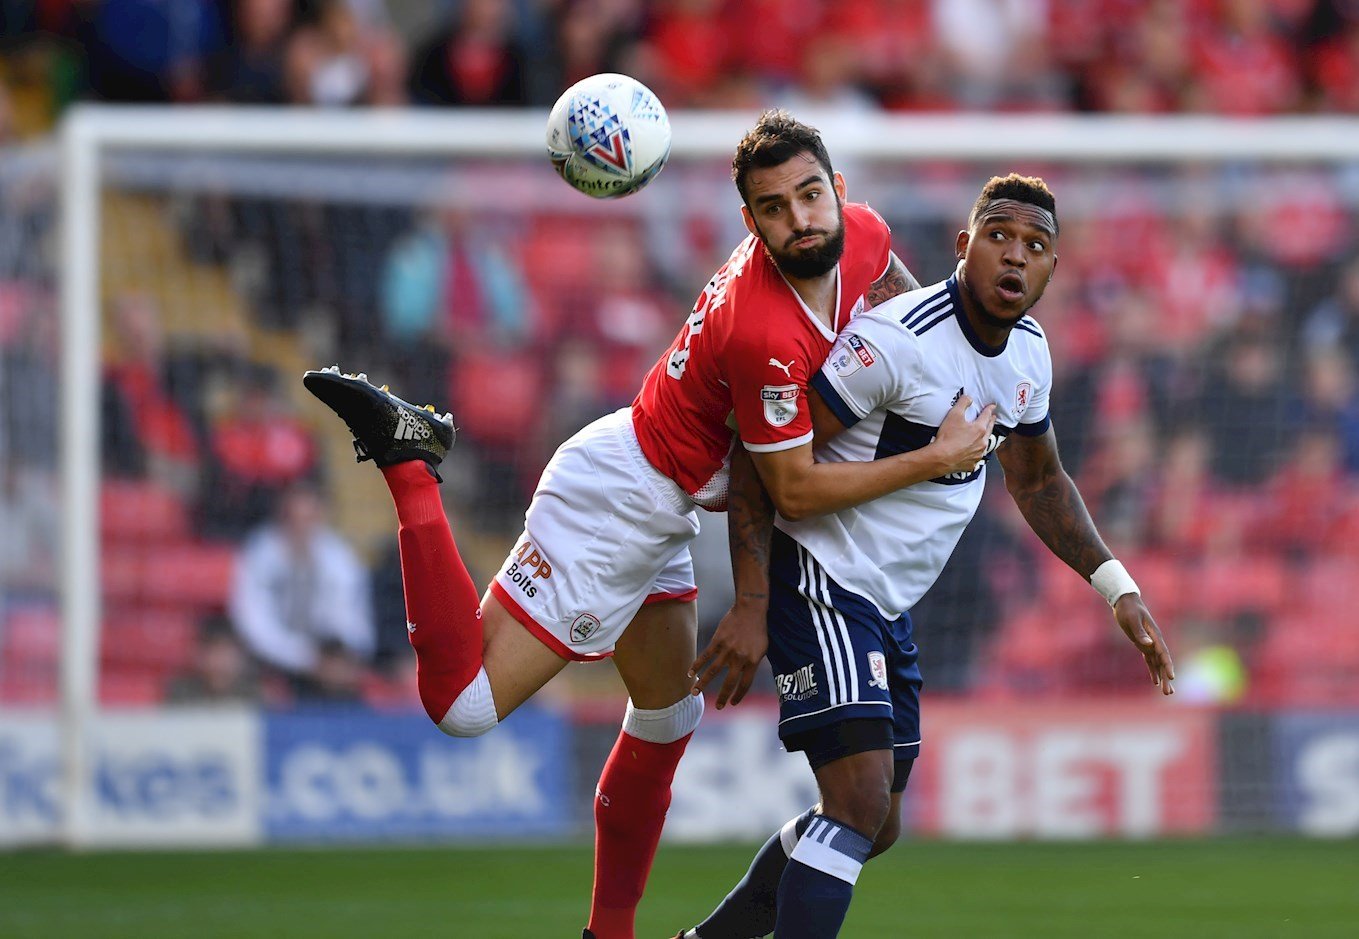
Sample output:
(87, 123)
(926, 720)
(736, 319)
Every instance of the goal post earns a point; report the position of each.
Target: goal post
(92, 135)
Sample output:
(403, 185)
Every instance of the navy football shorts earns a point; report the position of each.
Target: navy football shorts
(836, 658)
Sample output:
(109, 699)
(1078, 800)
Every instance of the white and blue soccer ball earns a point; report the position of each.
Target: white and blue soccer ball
(608, 135)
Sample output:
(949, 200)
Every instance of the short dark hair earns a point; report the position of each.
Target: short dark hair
(776, 137)
(1030, 189)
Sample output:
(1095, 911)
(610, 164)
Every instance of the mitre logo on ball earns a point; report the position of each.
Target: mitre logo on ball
(608, 135)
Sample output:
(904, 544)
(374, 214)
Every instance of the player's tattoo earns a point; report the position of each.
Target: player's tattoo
(1051, 503)
(895, 280)
(750, 528)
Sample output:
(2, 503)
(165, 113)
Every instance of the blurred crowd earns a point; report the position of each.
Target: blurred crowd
(1204, 324)
(1141, 56)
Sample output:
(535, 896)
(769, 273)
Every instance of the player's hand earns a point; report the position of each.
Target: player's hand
(962, 443)
(1135, 620)
(738, 645)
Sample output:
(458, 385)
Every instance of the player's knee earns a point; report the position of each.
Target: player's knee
(472, 712)
(857, 792)
(887, 834)
(863, 806)
(665, 725)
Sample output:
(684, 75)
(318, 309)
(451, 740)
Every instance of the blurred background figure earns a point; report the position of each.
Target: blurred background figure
(221, 671)
(342, 54)
(147, 433)
(299, 585)
(257, 449)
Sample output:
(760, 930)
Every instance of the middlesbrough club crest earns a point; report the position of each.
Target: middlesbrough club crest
(1023, 392)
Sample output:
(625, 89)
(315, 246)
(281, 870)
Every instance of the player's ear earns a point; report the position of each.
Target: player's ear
(838, 182)
(1053, 269)
(749, 220)
(960, 244)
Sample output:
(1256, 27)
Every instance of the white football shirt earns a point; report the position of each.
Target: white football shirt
(891, 378)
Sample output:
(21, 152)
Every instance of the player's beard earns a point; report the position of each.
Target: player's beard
(814, 262)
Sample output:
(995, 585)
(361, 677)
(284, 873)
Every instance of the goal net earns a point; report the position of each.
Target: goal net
(215, 653)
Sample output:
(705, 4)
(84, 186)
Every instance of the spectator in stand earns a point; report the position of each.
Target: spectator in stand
(1247, 409)
(453, 276)
(829, 80)
(1187, 517)
(1334, 323)
(476, 61)
(29, 417)
(146, 432)
(894, 42)
(1118, 481)
(342, 57)
(1148, 61)
(1308, 497)
(338, 677)
(1243, 63)
(258, 449)
(625, 313)
(996, 53)
(693, 50)
(1333, 68)
(221, 672)
(250, 69)
(150, 50)
(1331, 399)
(30, 518)
(297, 585)
(589, 37)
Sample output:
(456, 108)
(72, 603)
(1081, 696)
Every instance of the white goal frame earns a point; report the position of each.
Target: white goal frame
(90, 132)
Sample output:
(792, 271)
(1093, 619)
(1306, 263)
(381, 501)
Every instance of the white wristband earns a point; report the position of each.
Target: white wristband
(1112, 580)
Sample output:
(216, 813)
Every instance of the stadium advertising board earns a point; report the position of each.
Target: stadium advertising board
(30, 778)
(1063, 771)
(357, 775)
(176, 777)
(736, 780)
(1317, 761)
(168, 778)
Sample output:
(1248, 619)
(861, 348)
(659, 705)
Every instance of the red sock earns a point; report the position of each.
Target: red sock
(441, 601)
(630, 806)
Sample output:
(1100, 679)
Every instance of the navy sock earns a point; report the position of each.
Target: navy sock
(818, 882)
(748, 911)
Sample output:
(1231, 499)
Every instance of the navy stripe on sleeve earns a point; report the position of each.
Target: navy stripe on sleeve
(1034, 430)
(837, 405)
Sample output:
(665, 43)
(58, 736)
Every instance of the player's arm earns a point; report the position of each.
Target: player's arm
(895, 280)
(742, 635)
(801, 488)
(1054, 509)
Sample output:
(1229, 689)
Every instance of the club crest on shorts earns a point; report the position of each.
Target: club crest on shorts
(584, 626)
(780, 403)
(1023, 392)
(877, 670)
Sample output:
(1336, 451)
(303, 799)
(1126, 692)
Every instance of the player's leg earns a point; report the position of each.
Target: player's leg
(653, 657)
(818, 883)
(862, 788)
(749, 909)
(443, 612)
(831, 655)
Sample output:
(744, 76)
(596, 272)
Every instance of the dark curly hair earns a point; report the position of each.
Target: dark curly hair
(1029, 189)
(775, 138)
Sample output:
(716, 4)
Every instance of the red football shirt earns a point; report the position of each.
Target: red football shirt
(747, 351)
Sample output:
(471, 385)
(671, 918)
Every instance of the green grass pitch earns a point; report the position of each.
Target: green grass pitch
(1161, 889)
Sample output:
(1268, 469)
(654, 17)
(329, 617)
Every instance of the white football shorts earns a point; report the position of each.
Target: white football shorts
(605, 533)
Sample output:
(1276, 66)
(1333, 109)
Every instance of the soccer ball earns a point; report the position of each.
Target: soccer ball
(608, 135)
